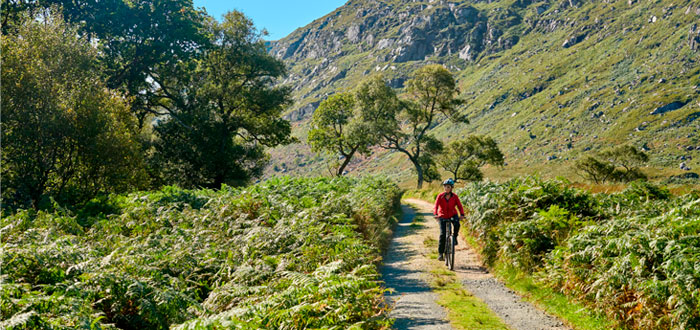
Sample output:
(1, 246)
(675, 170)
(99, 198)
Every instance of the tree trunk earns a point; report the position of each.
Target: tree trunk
(419, 171)
(345, 162)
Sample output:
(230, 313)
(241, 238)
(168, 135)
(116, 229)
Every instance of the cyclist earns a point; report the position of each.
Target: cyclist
(445, 205)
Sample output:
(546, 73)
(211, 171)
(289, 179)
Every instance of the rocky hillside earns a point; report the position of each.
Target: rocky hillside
(549, 80)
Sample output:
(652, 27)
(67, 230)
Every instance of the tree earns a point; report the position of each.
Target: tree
(138, 37)
(219, 112)
(617, 164)
(403, 125)
(336, 128)
(627, 160)
(463, 158)
(64, 134)
(591, 168)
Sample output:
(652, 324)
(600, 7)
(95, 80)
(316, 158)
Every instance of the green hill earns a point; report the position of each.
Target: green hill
(549, 80)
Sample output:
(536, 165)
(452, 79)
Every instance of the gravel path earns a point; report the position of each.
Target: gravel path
(404, 271)
(518, 314)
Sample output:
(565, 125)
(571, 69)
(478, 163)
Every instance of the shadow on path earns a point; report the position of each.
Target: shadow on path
(414, 302)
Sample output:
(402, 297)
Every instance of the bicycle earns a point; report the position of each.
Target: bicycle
(449, 243)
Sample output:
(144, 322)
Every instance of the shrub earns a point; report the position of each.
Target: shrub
(632, 255)
(287, 253)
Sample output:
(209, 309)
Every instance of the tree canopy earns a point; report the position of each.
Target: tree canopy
(220, 111)
(122, 95)
(620, 164)
(336, 127)
(64, 134)
(463, 158)
(403, 125)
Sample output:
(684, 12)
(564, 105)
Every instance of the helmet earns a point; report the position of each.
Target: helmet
(449, 182)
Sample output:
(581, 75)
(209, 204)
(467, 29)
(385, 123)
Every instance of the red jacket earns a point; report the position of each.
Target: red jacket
(446, 208)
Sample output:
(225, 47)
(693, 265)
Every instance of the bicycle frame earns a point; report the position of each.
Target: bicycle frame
(449, 243)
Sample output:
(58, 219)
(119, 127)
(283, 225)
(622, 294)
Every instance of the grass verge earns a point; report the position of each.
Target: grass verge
(464, 310)
(573, 313)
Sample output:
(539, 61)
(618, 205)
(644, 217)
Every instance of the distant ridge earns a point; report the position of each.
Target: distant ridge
(549, 80)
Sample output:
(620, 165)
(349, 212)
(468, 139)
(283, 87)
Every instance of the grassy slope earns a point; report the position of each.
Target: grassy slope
(540, 97)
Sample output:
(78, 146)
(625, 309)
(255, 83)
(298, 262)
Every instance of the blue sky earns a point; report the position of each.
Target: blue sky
(279, 17)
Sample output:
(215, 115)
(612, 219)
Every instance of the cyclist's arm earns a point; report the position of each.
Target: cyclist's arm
(459, 206)
(435, 208)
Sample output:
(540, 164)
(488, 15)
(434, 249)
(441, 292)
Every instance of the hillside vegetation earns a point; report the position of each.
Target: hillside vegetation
(631, 255)
(548, 80)
(287, 253)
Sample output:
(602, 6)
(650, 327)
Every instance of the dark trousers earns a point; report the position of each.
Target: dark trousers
(443, 225)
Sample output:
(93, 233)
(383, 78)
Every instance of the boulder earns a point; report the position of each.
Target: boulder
(465, 53)
(574, 40)
(353, 33)
(694, 38)
(384, 43)
(668, 107)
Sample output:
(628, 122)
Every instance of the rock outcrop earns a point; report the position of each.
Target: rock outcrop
(392, 33)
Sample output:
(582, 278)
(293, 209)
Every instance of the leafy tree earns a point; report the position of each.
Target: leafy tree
(463, 158)
(336, 128)
(617, 164)
(629, 159)
(220, 111)
(138, 36)
(591, 168)
(63, 133)
(403, 125)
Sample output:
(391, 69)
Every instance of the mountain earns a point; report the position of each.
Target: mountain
(549, 80)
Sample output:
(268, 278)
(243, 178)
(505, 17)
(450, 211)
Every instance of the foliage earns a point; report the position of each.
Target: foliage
(64, 134)
(617, 164)
(403, 125)
(526, 242)
(591, 168)
(137, 37)
(464, 157)
(287, 253)
(220, 111)
(337, 128)
(201, 92)
(631, 255)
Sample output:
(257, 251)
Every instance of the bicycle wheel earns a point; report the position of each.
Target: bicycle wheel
(451, 244)
(448, 246)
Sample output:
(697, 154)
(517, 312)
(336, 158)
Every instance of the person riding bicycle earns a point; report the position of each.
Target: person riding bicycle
(445, 205)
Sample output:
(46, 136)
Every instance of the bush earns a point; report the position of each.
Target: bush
(497, 209)
(632, 255)
(287, 253)
(525, 243)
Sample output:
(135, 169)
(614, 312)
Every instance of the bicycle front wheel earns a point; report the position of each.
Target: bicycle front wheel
(451, 257)
(449, 246)
(446, 249)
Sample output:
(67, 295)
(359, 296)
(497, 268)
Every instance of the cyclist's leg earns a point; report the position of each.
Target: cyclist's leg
(441, 241)
(455, 227)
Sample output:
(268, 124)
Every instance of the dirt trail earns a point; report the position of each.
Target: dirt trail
(515, 312)
(405, 271)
